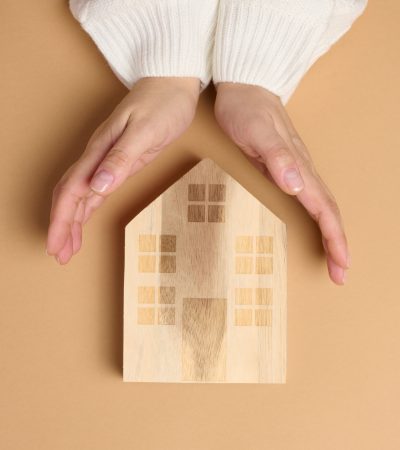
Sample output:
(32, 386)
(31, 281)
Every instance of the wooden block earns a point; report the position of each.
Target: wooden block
(205, 278)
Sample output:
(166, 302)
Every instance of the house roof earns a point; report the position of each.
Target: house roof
(208, 167)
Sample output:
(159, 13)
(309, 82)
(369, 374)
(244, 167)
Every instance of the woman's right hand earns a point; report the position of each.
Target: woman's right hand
(154, 113)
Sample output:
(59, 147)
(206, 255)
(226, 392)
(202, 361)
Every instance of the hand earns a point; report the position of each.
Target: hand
(257, 122)
(154, 113)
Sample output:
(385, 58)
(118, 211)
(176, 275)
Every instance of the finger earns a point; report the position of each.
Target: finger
(93, 202)
(324, 210)
(116, 166)
(316, 197)
(276, 156)
(76, 229)
(260, 166)
(62, 215)
(64, 255)
(74, 186)
(145, 159)
(336, 272)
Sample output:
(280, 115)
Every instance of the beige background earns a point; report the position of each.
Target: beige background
(61, 327)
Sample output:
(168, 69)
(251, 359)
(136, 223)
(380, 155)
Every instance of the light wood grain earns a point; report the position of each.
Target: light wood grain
(205, 285)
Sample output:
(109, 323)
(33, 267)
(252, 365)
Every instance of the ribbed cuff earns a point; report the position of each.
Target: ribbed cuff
(344, 14)
(152, 38)
(268, 43)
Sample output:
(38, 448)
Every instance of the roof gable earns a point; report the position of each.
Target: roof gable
(209, 171)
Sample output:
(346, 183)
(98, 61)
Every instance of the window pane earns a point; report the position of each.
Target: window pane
(197, 192)
(216, 192)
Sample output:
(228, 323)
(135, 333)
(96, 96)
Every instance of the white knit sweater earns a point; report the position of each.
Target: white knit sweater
(269, 43)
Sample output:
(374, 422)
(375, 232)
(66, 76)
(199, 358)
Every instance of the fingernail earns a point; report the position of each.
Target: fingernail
(293, 180)
(101, 181)
(57, 259)
(344, 276)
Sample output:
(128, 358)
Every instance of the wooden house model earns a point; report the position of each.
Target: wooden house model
(205, 285)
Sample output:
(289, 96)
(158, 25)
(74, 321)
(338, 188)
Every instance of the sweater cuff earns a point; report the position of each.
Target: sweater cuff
(152, 38)
(267, 43)
(344, 14)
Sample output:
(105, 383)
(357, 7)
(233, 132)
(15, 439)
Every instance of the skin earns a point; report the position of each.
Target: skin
(156, 112)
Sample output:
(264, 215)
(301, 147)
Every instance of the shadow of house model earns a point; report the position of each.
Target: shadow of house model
(205, 285)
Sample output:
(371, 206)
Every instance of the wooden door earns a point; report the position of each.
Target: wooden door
(204, 339)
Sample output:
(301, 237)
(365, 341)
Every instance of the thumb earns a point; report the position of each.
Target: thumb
(279, 160)
(116, 166)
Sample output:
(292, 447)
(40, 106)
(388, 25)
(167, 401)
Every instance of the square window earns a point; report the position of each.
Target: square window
(244, 264)
(147, 263)
(244, 244)
(146, 294)
(196, 213)
(243, 296)
(166, 316)
(262, 317)
(216, 192)
(166, 294)
(167, 264)
(197, 192)
(263, 265)
(145, 316)
(216, 213)
(264, 244)
(243, 316)
(167, 243)
(147, 242)
(263, 296)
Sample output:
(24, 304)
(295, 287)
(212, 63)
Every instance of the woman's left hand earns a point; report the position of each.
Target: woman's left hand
(257, 122)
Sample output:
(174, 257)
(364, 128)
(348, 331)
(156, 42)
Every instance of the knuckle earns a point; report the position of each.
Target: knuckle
(279, 156)
(142, 122)
(117, 157)
(62, 186)
(332, 205)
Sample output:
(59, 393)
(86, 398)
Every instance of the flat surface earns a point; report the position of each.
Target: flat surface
(205, 285)
(61, 327)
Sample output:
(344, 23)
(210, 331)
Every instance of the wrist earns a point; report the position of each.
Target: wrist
(227, 86)
(190, 85)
